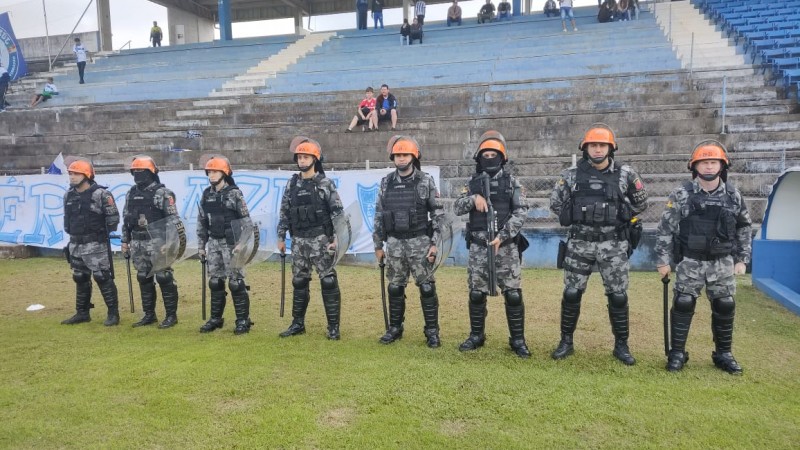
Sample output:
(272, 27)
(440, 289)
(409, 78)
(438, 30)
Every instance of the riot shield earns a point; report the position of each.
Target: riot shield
(346, 228)
(246, 241)
(167, 243)
(267, 235)
(444, 245)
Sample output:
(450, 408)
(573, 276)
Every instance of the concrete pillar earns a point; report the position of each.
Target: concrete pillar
(406, 14)
(528, 7)
(104, 25)
(188, 28)
(298, 22)
(225, 29)
(516, 7)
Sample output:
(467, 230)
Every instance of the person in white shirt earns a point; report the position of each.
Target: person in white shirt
(48, 92)
(80, 55)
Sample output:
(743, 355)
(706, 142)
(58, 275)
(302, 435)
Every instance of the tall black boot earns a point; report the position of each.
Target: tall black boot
(570, 311)
(679, 329)
(83, 300)
(241, 304)
(169, 292)
(430, 312)
(515, 315)
(332, 301)
(722, 316)
(397, 311)
(618, 316)
(109, 292)
(217, 309)
(300, 299)
(477, 322)
(147, 287)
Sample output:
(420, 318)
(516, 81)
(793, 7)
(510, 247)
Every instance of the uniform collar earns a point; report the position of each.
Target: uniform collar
(722, 188)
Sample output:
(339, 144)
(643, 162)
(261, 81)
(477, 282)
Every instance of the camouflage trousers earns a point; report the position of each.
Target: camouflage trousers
(218, 256)
(404, 256)
(89, 257)
(717, 277)
(143, 254)
(612, 261)
(312, 253)
(508, 268)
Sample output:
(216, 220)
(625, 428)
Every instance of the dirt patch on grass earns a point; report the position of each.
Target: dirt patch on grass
(337, 418)
(453, 427)
(234, 405)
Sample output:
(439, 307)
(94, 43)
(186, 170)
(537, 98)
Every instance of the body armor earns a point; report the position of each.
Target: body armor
(501, 197)
(308, 215)
(219, 216)
(708, 230)
(405, 214)
(142, 210)
(596, 199)
(80, 221)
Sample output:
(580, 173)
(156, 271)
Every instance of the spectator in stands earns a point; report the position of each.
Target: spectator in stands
(419, 11)
(504, 10)
(416, 32)
(634, 6)
(405, 32)
(361, 14)
(606, 12)
(454, 14)
(5, 79)
(80, 56)
(566, 11)
(48, 92)
(550, 8)
(377, 13)
(623, 12)
(387, 107)
(156, 34)
(486, 14)
(365, 114)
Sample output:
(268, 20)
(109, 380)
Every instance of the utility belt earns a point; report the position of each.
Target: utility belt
(407, 234)
(228, 236)
(87, 238)
(596, 236)
(310, 232)
(700, 256)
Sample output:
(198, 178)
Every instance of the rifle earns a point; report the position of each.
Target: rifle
(665, 280)
(283, 281)
(203, 282)
(491, 229)
(130, 285)
(382, 265)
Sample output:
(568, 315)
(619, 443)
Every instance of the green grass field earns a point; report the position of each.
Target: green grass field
(88, 386)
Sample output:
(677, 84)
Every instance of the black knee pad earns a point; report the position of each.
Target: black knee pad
(617, 300)
(237, 285)
(300, 283)
(513, 297)
(216, 284)
(724, 306)
(396, 291)
(142, 278)
(572, 295)
(329, 283)
(80, 277)
(101, 276)
(427, 290)
(477, 297)
(164, 278)
(684, 302)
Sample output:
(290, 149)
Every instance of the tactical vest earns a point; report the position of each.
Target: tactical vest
(80, 222)
(597, 199)
(308, 215)
(219, 216)
(405, 214)
(708, 232)
(140, 205)
(501, 196)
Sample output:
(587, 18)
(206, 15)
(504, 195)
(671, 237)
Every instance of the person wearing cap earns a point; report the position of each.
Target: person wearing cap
(90, 214)
(597, 200)
(308, 206)
(149, 201)
(222, 203)
(508, 202)
(705, 230)
(408, 217)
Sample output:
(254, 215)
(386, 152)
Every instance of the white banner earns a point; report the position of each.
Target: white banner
(32, 206)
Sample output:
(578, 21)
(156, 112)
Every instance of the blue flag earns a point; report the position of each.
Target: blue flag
(10, 53)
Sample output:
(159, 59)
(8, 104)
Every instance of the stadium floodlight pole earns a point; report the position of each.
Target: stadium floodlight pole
(47, 38)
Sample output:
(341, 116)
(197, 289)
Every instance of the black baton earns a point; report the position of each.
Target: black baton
(665, 280)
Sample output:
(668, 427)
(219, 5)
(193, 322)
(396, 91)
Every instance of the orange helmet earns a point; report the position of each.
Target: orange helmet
(599, 133)
(709, 149)
(405, 145)
(82, 166)
(491, 140)
(302, 145)
(219, 163)
(144, 162)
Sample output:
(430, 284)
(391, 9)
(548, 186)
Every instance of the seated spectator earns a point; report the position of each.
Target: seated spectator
(504, 10)
(623, 12)
(405, 31)
(48, 92)
(550, 8)
(486, 14)
(386, 105)
(5, 79)
(566, 11)
(454, 14)
(365, 114)
(606, 12)
(416, 32)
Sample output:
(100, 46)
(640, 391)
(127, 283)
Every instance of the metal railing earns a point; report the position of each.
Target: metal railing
(127, 44)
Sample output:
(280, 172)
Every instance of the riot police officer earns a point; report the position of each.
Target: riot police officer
(507, 201)
(308, 206)
(222, 204)
(148, 203)
(707, 223)
(407, 218)
(598, 199)
(90, 213)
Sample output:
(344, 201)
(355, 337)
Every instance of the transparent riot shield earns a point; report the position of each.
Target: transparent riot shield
(268, 236)
(246, 241)
(167, 243)
(346, 228)
(444, 245)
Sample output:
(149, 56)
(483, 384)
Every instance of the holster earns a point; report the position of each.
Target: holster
(562, 253)
(66, 254)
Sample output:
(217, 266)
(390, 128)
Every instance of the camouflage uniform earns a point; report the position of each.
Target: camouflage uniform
(88, 218)
(308, 207)
(506, 195)
(142, 208)
(598, 239)
(407, 250)
(216, 212)
(711, 267)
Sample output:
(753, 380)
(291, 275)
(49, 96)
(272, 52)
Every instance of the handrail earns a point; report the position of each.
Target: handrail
(128, 44)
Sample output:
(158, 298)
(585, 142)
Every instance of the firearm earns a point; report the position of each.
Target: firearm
(491, 229)
(382, 265)
(283, 280)
(203, 282)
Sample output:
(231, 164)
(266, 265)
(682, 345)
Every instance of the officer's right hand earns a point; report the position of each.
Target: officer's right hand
(125, 248)
(201, 252)
(480, 203)
(379, 254)
(282, 247)
(664, 271)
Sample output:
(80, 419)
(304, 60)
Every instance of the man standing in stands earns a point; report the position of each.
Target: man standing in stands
(597, 200)
(90, 214)
(156, 34)
(387, 106)
(377, 12)
(566, 11)
(419, 11)
(408, 217)
(706, 229)
(454, 14)
(80, 56)
(361, 12)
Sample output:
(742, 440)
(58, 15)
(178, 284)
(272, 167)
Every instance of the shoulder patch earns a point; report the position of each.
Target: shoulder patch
(637, 183)
(465, 189)
(669, 204)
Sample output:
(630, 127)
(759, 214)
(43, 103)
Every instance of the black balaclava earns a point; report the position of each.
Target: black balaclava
(490, 165)
(143, 178)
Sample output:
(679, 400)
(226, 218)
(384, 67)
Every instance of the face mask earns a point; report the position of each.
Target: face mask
(142, 178)
(708, 177)
(78, 183)
(491, 165)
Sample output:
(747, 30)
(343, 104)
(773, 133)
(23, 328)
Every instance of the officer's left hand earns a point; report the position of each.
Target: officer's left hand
(739, 268)
(432, 254)
(332, 246)
(496, 244)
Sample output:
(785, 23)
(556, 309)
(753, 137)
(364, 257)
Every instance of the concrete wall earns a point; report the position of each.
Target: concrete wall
(196, 29)
(37, 47)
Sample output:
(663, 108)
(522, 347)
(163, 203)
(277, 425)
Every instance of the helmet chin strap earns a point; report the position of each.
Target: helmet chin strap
(216, 183)
(405, 167)
(709, 177)
(598, 160)
(305, 168)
